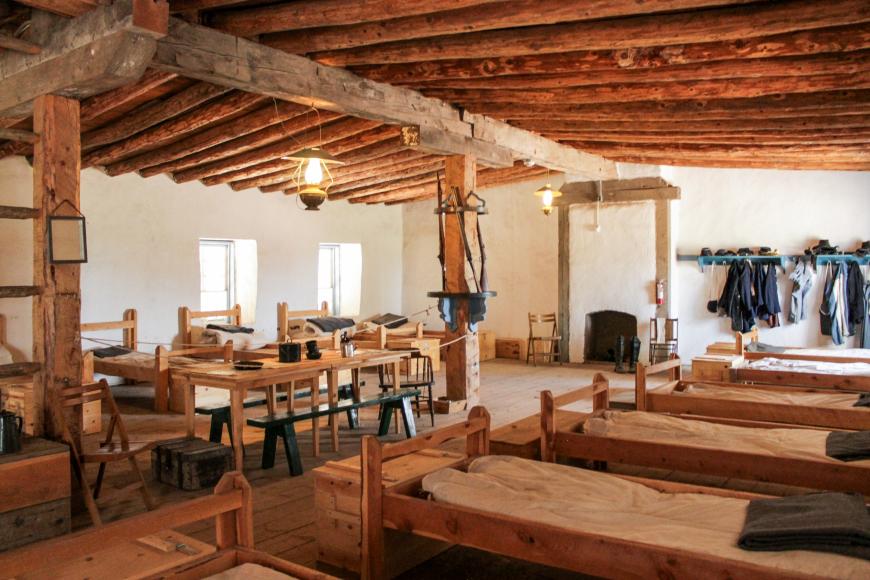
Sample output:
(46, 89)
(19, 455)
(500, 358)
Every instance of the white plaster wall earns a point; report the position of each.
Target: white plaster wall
(143, 248)
(786, 210)
(521, 245)
(613, 269)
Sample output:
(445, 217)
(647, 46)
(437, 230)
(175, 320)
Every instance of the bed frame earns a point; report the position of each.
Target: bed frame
(159, 373)
(186, 316)
(231, 507)
(822, 475)
(742, 340)
(285, 315)
(663, 400)
(786, 378)
(404, 509)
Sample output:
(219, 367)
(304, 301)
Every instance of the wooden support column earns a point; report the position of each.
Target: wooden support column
(463, 357)
(564, 255)
(57, 308)
(663, 253)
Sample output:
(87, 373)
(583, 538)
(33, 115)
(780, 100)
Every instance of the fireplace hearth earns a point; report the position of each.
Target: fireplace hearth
(602, 328)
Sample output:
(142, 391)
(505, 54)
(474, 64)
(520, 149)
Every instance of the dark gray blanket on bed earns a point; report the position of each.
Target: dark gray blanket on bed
(761, 347)
(848, 445)
(331, 323)
(231, 328)
(110, 351)
(390, 320)
(821, 522)
(863, 400)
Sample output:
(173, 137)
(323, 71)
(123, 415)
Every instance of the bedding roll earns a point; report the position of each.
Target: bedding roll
(863, 400)
(391, 321)
(110, 351)
(231, 328)
(821, 522)
(848, 445)
(331, 323)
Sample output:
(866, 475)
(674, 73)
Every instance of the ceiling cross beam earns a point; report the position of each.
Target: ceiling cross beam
(617, 191)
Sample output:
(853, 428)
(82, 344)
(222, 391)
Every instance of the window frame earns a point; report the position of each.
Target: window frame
(335, 249)
(230, 268)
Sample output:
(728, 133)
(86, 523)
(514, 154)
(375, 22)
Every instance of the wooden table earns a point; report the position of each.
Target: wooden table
(238, 383)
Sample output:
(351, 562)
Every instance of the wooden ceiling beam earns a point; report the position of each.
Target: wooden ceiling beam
(239, 166)
(856, 135)
(400, 190)
(176, 6)
(151, 114)
(93, 107)
(801, 162)
(348, 140)
(150, 162)
(351, 189)
(18, 135)
(105, 48)
(62, 7)
(857, 153)
(19, 44)
(558, 126)
(319, 13)
(804, 67)
(229, 104)
(689, 90)
(405, 161)
(776, 106)
(791, 44)
(715, 24)
(212, 56)
(483, 16)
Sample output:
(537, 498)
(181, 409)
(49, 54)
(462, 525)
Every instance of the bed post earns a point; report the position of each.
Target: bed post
(282, 322)
(548, 426)
(600, 393)
(677, 370)
(161, 380)
(382, 336)
(371, 509)
(228, 351)
(419, 330)
(236, 527)
(237, 314)
(184, 326)
(336, 339)
(131, 334)
(640, 386)
(477, 443)
(324, 308)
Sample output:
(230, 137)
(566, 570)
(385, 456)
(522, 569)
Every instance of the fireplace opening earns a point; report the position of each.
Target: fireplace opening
(602, 328)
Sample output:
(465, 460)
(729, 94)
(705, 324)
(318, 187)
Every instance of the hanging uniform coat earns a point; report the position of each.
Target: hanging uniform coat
(802, 276)
(855, 297)
(766, 295)
(736, 301)
(834, 311)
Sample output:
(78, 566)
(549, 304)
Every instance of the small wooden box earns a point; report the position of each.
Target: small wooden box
(714, 367)
(337, 490)
(34, 493)
(512, 348)
(190, 464)
(486, 340)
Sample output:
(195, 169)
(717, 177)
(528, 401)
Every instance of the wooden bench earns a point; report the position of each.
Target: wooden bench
(220, 412)
(281, 424)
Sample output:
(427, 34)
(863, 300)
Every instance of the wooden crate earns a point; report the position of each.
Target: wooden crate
(714, 367)
(337, 492)
(190, 464)
(34, 493)
(512, 348)
(486, 340)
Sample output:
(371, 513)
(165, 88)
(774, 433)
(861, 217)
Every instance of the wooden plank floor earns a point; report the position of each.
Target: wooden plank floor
(284, 505)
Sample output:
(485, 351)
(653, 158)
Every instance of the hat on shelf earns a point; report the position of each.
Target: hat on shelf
(745, 252)
(706, 252)
(865, 245)
(765, 251)
(722, 252)
(824, 247)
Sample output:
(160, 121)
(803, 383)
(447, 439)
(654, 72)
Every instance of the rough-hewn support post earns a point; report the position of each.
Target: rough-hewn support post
(564, 277)
(463, 357)
(663, 253)
(56, 310)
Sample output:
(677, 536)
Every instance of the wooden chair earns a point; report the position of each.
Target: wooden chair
(552, 340)
(109, 450)
(418, 374)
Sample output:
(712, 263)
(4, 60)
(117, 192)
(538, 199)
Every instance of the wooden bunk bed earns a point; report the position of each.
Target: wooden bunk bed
(285, 316)
(147, 545)
(744, 341)
(781, 404)
(685, 452)
(407, 508)
(140, 366)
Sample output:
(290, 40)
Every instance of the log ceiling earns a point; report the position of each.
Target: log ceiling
(710, 83)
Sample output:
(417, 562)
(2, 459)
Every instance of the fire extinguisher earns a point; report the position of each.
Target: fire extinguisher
(660, 292)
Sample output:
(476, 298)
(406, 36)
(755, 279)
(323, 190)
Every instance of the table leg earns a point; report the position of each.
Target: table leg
(315, 422)
(291, 397)
(189, 406)
(354, 381)
(397, 382)
(270, 399)
(332, 390)
(237, 412)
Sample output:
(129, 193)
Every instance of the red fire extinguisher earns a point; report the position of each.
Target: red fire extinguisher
(660, 292)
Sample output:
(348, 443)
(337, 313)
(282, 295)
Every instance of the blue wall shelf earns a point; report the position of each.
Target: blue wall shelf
(778, 260)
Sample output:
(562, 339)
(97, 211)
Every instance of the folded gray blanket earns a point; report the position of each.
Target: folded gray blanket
(761, 347)
(331, 323)
(390, 320)
(863, 400)
(821, 522)
(231, 328)
(110, 351)
(848, 445)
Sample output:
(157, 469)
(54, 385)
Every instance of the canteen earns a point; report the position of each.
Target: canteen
(10, 432)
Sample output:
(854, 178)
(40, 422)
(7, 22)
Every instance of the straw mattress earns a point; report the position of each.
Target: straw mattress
(810, 366)
(588, 501)
(759, 395)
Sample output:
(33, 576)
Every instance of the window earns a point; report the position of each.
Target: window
(217, 274)
(339, 278)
